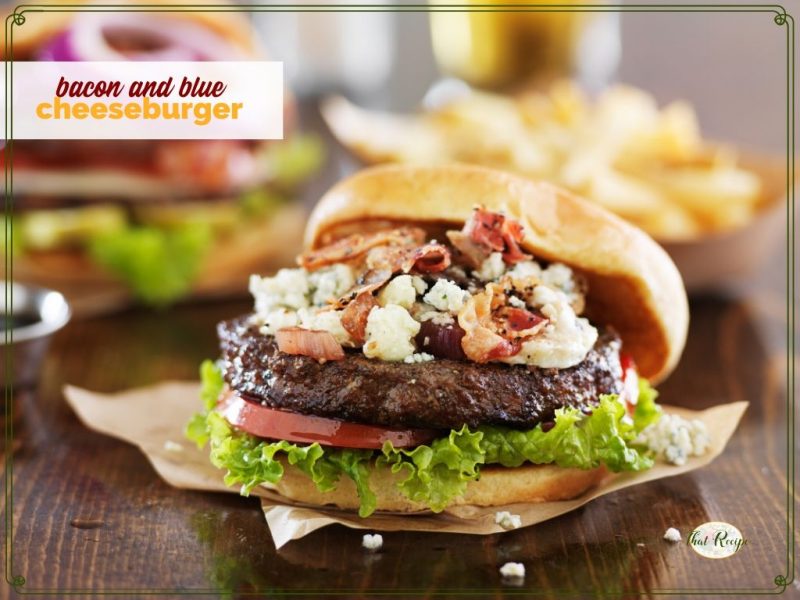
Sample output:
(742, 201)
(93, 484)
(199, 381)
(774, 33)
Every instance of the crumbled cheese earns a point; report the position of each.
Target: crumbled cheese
(512, 570)
(564, 341)
(372, 541)
(419, 284)
(277, 319)
(438, 318)
(401, 291)
(558, 275)
(514, 301)
(326, 320)
(289, 288)
(525, 269)
(492, 268)
(390, 333)
(507, 521)
(672, 535)
(674, 439)
(330, 283)
(561, 277)
(418, 357)
(446, 296)
(171, 446)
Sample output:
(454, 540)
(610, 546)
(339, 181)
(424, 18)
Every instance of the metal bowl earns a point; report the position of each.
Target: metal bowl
(31, 315)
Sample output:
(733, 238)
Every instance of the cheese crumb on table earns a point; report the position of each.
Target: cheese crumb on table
(513, 571)
(507, 521)
(675, 439)
(372, 541)
(672, 535)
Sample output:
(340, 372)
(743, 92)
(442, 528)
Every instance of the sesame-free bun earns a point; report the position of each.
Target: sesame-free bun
(633, 284)
(497, 486)
(40, 27)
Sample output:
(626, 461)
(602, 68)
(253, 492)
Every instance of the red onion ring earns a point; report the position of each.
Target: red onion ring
(89, 38)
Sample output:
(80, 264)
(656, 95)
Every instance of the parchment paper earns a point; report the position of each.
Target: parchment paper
(130, 416)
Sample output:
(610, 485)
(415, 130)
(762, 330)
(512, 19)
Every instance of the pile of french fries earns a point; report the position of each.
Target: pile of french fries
(648, 165)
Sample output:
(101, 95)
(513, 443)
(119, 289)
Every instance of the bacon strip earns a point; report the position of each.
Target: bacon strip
(355, 315)
(430, 258)
(495, 233)
(472, 253)
(518, 322)
(494, 330)
(357, 245)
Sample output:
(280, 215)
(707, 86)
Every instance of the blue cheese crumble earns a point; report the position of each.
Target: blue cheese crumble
(674, 439)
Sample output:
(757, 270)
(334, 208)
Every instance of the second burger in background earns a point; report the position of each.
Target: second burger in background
(110, 219)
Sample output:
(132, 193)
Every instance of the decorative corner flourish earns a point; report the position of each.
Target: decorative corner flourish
(780, 580)
(18, 16)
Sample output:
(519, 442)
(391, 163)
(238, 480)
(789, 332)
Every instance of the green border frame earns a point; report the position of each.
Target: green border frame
(781, 18)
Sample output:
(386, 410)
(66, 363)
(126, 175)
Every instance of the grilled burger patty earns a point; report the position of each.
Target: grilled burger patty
(439, 394)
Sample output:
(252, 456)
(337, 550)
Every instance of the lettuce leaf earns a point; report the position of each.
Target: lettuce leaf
(437, 473)
(647, 411)
(433, 474)
(159, 265)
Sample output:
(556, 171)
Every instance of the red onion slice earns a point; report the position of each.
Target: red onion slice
(309, 342)
(59, 49)
(104, 36)
(442, 341)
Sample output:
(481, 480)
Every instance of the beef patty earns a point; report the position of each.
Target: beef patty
(439, 394)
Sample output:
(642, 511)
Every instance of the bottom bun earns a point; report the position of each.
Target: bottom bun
(260, 246)
(497, 486)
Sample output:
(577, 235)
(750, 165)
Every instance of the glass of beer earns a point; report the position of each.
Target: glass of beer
(509, 47)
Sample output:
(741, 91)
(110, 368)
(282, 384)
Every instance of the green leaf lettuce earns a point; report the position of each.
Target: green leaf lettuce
(159, 265)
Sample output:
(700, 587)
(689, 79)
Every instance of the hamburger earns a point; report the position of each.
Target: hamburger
(452, 335)
(152, 219)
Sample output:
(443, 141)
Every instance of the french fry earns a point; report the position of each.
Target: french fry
(650, 166)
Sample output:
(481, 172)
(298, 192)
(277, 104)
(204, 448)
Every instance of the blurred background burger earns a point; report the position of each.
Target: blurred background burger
(109, 221)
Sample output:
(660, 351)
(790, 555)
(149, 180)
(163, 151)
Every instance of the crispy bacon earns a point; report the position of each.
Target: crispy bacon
(355, 246)
(518, 322)
(495, 233)
(494, 330)
(430, 258)
(470, 252)
(480, 343)
(512, 236)
(355, 315)
(369, 282)
(309, 342)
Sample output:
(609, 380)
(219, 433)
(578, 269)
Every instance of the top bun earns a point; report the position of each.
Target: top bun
(633, 284)
(39, 27)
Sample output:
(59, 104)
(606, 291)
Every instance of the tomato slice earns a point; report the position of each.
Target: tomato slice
(630, 380)
(277, 424)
